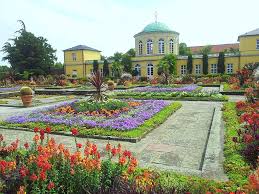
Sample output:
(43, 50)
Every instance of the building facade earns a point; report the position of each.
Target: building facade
(154, 42)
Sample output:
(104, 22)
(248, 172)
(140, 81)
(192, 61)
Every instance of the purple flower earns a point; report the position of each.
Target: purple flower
(188, 88)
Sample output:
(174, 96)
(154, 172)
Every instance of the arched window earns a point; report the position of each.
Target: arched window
(161, 46)
(150, 70)
(171, 46)
(140, 48)
(138, 69)
(149, 47)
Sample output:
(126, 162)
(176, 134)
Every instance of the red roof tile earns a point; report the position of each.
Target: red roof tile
(215, 48)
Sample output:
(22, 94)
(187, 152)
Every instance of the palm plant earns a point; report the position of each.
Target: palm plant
(96, 79)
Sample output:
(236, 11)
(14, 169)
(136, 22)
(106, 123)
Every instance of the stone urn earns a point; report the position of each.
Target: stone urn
(26, 96)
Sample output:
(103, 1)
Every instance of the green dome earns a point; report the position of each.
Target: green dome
(156, 27)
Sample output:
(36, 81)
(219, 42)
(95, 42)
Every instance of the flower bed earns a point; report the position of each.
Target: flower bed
(188, 88)
(44, 166)
(133, 120)
(10, 89)
(195, 96)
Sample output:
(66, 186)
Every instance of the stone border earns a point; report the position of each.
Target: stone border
(9, 94)
(212, 166)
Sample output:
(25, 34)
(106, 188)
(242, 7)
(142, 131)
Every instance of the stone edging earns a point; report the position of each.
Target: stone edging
(231, 92)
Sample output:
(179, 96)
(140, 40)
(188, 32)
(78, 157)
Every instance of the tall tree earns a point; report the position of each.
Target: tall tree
(205, 64)
(95, 66)
(189, 64)
(206, 50)
(26, 52)
(126, 63)
(183, 49)
(221, 62)
(167, 66)
(105, 68)
(131, 52)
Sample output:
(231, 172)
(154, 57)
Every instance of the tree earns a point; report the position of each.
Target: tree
(95, 66)
(206, 50)
(183, 49)
(126, 63)
(116, 69)
(26, 52)
(221, 62)
(167, 66)
(189, 64)
(105, 68)
(131, 52)
(205, 64)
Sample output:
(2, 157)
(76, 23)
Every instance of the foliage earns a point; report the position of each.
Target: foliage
(95, 66)
(189, 64)
(221, 62)
(205, 64)
(116, 69)
(235, 165)
(167, 66)
(97, 81)
(206, 50)
(83, 106)
(26, 91)
(106, 71)
(183, 49)
(29, 53)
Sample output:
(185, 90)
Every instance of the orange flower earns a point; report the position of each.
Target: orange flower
(36, 138)
(108, 147)
(122, 160)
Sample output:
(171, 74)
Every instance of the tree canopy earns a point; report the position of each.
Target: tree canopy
(183, 49)
(167, 66)
(27, 52)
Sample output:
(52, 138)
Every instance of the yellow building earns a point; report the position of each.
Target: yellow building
(78, 61)
(154, 42)
(157, 39)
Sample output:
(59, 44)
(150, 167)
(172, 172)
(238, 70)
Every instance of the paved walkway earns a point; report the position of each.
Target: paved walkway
(178, 144)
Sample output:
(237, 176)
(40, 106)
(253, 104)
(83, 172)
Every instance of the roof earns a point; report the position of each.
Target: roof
(251, 33)
(215, 48)
(81, 47)
(156, 27)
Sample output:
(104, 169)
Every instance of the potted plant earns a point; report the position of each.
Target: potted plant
(111, 85)
(26, 96)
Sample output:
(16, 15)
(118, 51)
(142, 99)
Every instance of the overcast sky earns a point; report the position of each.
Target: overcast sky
(109, 25)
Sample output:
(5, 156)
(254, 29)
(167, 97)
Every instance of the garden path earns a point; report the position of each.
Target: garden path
(178, 144)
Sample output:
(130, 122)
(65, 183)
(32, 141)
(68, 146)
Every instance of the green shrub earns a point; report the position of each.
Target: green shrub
(26, 91)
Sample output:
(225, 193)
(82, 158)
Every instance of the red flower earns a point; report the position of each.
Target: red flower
(248, 138)
(36, 129)
(114, 151)
(74, 131)
(33, 177)
(79, 145)
(43, 175)
(23, 171)
(51, 185)
(26, 145)
(42, 137)
(48, 129)
(127, 153)
(42, 132)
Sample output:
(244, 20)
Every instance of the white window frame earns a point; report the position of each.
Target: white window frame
(183, 69)
(150, 70)
(161, 46)
(149, 47)
(74, 56)
(140, 48)
(171, 46)
(74, 72)
(257, 44)
(138, 69)
(214, 68)
(230, 68)
(198, 69)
